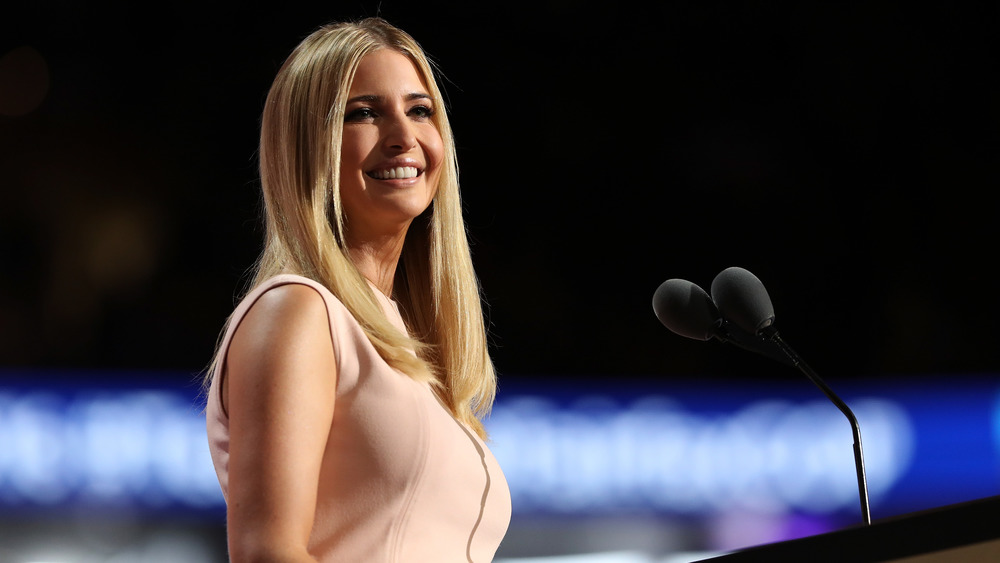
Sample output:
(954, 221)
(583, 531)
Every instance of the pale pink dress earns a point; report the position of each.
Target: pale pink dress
(402, 480)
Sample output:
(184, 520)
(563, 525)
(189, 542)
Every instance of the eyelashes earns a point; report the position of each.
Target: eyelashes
(422, 111)
(364, 114)
(360, 114)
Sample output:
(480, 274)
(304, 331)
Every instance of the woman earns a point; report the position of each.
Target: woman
(345, 396)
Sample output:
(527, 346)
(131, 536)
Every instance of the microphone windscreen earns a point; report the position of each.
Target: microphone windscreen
(742, 299)
(685, 309)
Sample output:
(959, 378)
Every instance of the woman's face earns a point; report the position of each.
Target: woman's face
(392, 152)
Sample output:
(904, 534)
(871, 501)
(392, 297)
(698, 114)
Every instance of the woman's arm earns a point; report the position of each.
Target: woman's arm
(279, 390)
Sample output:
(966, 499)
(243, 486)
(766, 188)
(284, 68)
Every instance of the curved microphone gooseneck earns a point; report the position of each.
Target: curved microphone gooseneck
(742, 299)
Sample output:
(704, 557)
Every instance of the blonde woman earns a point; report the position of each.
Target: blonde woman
(345, 397)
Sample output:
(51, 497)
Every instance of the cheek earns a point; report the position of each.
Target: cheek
(434, 150)
(351, 153)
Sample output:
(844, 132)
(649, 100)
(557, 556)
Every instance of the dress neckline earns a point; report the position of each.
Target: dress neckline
(385, 299)
(378, 292)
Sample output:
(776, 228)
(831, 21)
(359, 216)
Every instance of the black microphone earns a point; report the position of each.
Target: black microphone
(741, 298)
(687, 309)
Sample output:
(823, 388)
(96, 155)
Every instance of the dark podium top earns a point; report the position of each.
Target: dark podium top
(968, 531)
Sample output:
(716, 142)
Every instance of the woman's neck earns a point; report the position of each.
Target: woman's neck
(377, 259)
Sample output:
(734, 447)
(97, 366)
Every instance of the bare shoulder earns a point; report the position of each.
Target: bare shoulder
(285, 336)
(283, 316)
(288, 303)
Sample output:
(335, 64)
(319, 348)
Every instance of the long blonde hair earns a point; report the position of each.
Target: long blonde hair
(435, 284)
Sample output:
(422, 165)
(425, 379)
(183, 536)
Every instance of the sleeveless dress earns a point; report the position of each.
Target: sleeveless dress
(401, 479)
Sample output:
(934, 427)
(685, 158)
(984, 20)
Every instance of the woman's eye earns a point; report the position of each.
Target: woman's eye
(422, 111)
(360, 114)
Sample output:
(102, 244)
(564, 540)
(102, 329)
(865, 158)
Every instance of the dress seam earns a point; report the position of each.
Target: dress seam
(402, 521)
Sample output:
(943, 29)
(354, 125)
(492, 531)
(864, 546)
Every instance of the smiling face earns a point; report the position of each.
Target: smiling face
(392, 153)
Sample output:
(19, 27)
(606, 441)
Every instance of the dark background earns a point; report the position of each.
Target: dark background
(846, 155)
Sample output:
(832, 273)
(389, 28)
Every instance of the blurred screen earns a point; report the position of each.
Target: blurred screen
(678, 466)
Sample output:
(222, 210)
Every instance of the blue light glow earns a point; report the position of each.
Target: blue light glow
(599, 455)
(677, 449)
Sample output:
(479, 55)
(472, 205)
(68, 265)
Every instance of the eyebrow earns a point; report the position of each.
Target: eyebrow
(374, 99)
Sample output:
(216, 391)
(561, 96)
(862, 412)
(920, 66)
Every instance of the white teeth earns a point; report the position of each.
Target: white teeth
(394, 173)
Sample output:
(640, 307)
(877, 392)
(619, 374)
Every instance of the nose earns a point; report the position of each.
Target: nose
(399, 134)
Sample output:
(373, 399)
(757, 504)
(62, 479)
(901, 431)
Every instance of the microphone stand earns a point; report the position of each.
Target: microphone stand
(770, 333)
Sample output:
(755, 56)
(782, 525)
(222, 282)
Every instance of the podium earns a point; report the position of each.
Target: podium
(959, 533)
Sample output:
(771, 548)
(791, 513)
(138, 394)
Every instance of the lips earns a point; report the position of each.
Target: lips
(395, 173)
